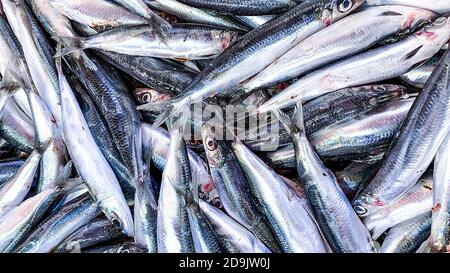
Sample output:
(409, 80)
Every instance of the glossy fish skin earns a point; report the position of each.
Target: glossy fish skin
(58, 226)
(339, 41)
(424, 129)
(292, 225)
(258, 48)
(17, 128)
(162, 75)
(100, 132)
(8, 168)
(233, 237)
(173, 225)
(341, 226)
(101, 180)
(97, 231)
(107, 93)
(38, 54)
(99, 14)
(363, 134)
(19, 222)
(375, 65)
(255, 21)
(246, 7)
(439, 6)
(231, 185)
(418, 200)
(440, 227)
(347, 104)
(196, 15)
(14, 191)
(407, 237)
(181, 43)
(10, 47)
(55, 23)
(418, 76)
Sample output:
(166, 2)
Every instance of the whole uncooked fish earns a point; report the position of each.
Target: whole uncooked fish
(244, 7)
(375, 65)
(196, 15)
(418, 200)
(232, 185)
(424, 129)
(340, 225)
(407, 237)
(293, 226)
(101, 180)
(257, 49)
(97, 231)
(439, 6)
(13, 192)
(181, 43)
(173, 227)
(59, 225)
(339, 41)
(234, 237)
(98, 14)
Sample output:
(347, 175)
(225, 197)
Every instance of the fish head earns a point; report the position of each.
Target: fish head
(214, 147)
(339, 9)
(414, 17)
(367, 204)
(149, 95)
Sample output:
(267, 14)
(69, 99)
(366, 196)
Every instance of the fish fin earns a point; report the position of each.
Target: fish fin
(295, 125)
(161, 27)
(9, 84)
(412, 53)
(428, 247)
(71, 45)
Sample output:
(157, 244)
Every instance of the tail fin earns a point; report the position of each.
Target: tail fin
(429, 247)
(162, 27)
(72, 45)
(294, 126)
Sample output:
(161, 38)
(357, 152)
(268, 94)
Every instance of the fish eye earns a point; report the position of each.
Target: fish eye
(345, 5)
(211, 144)
(440, 21)
(146, 97)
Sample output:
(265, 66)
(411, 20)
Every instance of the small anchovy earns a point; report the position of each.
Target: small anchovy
(340, 225)
(244, 7)
(59, 225)
(418, 200)
(407, 236)
(233, 237)
(375, 65)
(231, 184)
(99, 15)
(287, 213)
(181, 43)
(196, 15)
(424, 129)
(101, 180)
(339, 41)
(97, 231)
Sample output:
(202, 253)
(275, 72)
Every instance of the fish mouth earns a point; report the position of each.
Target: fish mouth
(360, 209)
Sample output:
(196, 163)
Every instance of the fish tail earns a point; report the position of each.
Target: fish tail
(161, 27)
(71, 45)
(295, 125)
(429, 247)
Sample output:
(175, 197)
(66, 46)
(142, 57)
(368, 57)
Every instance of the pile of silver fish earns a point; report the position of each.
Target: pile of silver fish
(339, 139)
